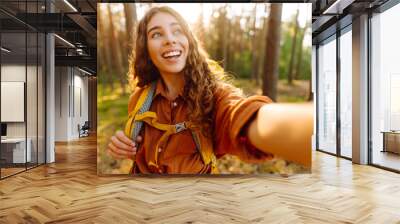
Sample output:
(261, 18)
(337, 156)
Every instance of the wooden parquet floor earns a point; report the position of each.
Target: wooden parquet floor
(69, 191)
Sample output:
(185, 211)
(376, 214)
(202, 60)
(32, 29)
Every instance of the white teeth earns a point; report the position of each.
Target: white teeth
(172, 54)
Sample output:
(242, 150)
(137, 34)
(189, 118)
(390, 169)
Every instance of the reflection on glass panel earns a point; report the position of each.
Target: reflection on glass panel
(13, 84)
(22, 88)
(31, 97)
(395, 102)
(327, 97)
(386, 89)
(41, 98)
(346, 94)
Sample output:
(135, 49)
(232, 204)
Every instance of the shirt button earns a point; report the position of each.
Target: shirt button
(174, 104)
(159, 149)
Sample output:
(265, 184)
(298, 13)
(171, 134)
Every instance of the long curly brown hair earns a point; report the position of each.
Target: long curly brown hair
(202, 76)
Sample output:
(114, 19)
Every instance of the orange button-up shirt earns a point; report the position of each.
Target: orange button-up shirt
(179, 154)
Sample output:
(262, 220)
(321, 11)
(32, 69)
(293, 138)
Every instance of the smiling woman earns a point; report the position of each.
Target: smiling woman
(184, 115)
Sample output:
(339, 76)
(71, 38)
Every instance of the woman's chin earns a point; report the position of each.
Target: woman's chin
(175, 70)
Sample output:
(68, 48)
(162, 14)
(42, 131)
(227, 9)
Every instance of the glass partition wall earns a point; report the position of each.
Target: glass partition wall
(327, 95)
(385, 89)
(334, 94)
(22, 88)
(345, 61)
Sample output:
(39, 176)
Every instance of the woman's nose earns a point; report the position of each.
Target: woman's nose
(170, 38)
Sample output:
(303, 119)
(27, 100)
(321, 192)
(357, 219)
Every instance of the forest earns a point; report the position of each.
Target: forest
(265, 48)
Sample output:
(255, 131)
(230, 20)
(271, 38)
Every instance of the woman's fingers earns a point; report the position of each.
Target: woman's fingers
(119, 144)
(114, 155)
(120, 153)
(123, 138)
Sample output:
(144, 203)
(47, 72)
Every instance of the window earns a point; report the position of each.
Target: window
(327, 95)
(346, 93)
(385, 88)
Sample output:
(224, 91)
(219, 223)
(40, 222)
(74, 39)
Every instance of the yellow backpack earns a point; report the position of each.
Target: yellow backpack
(142, 114)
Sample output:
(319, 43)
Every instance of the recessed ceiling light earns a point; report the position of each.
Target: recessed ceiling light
(64, 40)
(70, 5)
(86, 72)
(337, 7)
(5, 49)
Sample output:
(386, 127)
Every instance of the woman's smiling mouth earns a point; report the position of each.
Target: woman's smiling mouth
(171, 54)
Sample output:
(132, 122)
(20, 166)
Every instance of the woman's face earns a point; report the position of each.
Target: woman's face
(167, 44)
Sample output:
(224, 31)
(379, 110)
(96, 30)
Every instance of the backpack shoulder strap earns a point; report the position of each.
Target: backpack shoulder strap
(132, 127)
(205, 148)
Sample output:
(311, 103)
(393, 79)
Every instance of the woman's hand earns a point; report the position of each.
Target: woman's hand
(122, 147)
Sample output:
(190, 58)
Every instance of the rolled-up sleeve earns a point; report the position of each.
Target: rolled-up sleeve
(233, 113)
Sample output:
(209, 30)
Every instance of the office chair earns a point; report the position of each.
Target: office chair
(84, 130)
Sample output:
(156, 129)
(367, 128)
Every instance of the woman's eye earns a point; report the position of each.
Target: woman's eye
(177, 31)
(156, 34)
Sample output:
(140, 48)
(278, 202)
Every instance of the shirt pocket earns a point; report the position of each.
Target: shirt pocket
(180, 143)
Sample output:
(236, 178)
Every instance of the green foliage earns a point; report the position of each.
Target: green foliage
(112, 112)
(242, 66)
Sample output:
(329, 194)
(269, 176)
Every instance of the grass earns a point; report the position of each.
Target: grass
(297, 92)
(112, 114)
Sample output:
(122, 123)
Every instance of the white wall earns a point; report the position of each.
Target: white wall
(61, 103)
(71, 93)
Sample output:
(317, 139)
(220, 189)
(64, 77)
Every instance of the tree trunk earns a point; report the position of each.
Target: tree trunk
(105, 57)
(300, 54)
(116, 52)
(310, 94)
(294, 40)
(229, 52)
(131, 19)
(220, 26)
(200, 31)
(224, 40)
(271, 62)
(262, 46)
(254, 56)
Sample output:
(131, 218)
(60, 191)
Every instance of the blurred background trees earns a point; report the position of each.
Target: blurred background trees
(265, 47)
(244, 41)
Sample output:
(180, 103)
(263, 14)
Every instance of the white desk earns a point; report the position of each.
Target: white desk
(18, 149)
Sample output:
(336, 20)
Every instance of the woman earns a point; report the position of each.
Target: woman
(212, 117)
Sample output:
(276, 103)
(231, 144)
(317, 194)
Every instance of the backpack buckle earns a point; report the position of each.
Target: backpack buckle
(180, 127)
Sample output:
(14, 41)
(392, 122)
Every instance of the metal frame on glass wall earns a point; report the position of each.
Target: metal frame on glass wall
(338, 72)
(387, 5)
(44, 75)
(340, 29)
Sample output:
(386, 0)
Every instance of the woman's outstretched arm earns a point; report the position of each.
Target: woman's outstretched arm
(284, 130)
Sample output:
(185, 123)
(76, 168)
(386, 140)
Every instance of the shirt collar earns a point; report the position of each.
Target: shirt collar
(160, 89)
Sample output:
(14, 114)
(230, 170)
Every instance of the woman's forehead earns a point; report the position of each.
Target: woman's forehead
(161, 19)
